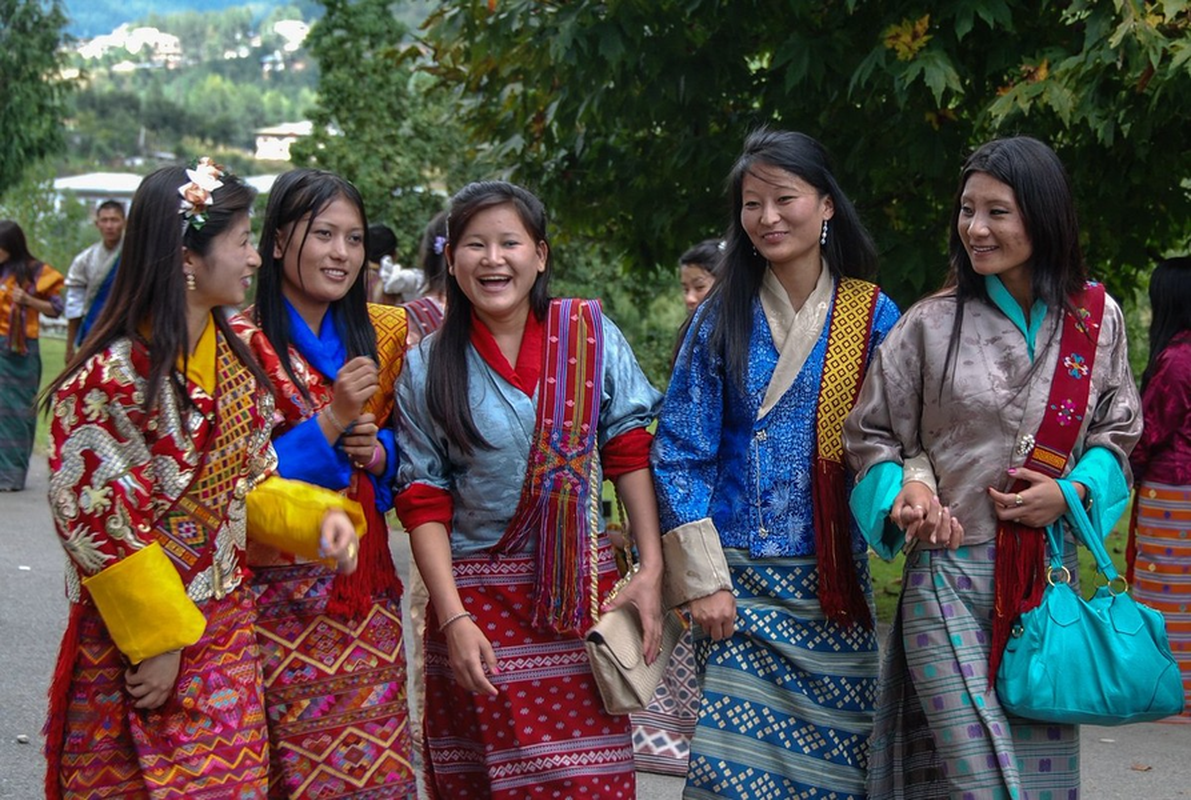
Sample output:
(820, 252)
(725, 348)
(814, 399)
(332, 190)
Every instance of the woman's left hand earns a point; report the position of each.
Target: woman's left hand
(338, 540)
(19, 296)
(1037, 505)
(362, 447)
(644, 593)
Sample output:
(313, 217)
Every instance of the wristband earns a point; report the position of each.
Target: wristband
(376, 456)
(455, 618)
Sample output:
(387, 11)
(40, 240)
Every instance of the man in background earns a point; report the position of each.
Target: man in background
(91, 273)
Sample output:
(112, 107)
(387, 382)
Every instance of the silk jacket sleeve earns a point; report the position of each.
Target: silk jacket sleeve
(686, 444)
(101, 499)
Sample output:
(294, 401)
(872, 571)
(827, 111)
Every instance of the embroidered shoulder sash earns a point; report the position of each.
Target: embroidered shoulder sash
(188, 532)
(844, 366)
(1021, 550)
(560, 484)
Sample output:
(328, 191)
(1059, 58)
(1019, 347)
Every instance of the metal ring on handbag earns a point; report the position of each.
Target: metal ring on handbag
(1050, 573)
(1124, 584)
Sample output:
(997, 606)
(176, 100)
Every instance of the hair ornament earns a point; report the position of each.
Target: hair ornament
(196, 196)
(440, 242)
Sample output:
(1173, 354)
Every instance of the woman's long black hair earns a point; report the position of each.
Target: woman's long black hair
(432, 256)
(1170, 301)
(446, 371)
(20, 260)
(1043, 193)
(303, 194)
(849, 250)
(149, 283)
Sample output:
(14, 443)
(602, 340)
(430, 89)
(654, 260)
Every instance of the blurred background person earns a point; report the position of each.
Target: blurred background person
(698, 269)
(1159, 553)
(426, 312)
(91, 274)
(27, 288)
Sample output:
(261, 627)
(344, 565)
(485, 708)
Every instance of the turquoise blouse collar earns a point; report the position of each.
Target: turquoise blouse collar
(1010, 308)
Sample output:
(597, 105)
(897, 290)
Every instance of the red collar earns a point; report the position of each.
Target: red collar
(529, 358)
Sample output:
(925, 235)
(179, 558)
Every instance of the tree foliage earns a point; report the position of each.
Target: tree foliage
(31, 91)
(625, 115)
(379, 122)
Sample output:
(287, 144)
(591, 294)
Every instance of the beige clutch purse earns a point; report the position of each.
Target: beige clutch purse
(613, 644)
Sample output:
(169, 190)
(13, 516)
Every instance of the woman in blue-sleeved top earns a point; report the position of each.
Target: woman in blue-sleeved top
(331, 646)
(748, 458)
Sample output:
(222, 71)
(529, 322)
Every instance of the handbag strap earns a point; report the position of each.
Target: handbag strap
(1082, 527)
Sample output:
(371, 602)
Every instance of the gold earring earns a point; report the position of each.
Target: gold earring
(190, 284)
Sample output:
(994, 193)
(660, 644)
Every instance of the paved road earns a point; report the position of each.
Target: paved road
(1140, 761)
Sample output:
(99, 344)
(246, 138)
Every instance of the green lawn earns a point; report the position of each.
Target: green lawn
(53, 357)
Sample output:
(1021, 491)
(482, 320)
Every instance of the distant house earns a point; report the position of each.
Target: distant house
(95, 187)
(273, 143)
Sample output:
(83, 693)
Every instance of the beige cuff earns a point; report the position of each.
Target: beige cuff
(920, 469)
(694, 563)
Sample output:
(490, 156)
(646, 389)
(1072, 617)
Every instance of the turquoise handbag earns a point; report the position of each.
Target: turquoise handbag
(1102, 661)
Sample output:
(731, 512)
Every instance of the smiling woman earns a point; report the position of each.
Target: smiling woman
(160, 471)
(333, 360)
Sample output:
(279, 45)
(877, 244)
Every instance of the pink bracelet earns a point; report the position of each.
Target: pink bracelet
(376, 455)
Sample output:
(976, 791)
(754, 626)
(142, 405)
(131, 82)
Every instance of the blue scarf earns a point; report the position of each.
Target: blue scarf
(326, 352)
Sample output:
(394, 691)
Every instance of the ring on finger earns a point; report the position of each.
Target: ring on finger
(1018, 500)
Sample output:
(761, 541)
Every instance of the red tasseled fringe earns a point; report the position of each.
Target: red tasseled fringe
(59, 699)
(1020, 576)
(376, 575)
(840, 594)
(1131, 548)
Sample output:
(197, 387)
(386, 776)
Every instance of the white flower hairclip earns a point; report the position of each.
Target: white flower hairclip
(196, 200)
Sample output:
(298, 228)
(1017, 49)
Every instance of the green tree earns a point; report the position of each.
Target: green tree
(378, 122)
(625, 115)
(32, 89)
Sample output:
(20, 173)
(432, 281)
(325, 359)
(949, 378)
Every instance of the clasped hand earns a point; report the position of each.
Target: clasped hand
(921, 515)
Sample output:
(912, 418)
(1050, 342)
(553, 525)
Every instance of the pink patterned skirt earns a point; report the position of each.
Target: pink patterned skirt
(546, 734)
(208, 742)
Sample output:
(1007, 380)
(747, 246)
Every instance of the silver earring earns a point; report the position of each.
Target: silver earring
(190, 284)
(823, 235)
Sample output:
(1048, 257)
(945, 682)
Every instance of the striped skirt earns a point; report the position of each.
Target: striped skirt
(546, 734)
(940, 730)
(19, 377)
(788, 700)
(1162, 573)
(209, 740)
(662, 731)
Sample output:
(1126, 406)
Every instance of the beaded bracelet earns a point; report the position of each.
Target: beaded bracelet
(455, 618)
(339, 426)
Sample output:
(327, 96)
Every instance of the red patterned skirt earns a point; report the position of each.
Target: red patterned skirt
(208, 742)
(546, 733)
(334, 690)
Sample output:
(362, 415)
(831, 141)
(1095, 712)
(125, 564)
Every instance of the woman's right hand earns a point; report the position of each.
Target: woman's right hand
(715, 614)
(355, 384)
(918, 512)
(472, 657)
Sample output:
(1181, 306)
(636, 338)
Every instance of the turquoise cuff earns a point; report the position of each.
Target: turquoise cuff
(871, 500)
(1100, 471)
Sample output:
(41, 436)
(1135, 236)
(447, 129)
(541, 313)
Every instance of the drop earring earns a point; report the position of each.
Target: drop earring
(823, 235)
(190, 284)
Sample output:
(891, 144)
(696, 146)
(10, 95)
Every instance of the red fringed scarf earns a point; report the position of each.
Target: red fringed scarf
(557, 494)
(1020, 569)
(845, 363)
